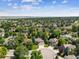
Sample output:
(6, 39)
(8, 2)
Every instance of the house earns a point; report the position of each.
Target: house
(12, 29)
(10, 54)
(70, 57)
(53, 41)
(65, 48)
(70, 46)
(39, 41)
(71, 39)
(39, 25)
(2, 33)
(8, 39)
(66, 36)
(54, 25)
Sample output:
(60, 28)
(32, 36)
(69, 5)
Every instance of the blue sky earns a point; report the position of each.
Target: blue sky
(39, 7)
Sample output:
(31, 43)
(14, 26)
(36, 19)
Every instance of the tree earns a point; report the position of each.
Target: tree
(20, 38)
(77, 49)
(55, 33)
(45, 37)
(33, 39)
(34, 33)
(61, 42)
(74, 28)
(19, 29)
(7, 34)
(39, 34)
(78, 33)
(20, 52)
(11, 44)
(1, 40)
(3, 51)
(66, 51)
(36, 55)
(30, 30)
(28, 44)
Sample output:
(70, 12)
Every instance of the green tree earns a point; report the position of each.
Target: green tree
(77, 49)
(20, 52)
(61, 42)
(20, 38)
(1, 40)
(19, 29)
(74, 28)
(28, 44)
(3, 51)
(11, 44)
(36, 55)
(55, 33)
(45, 37)
(33, 39)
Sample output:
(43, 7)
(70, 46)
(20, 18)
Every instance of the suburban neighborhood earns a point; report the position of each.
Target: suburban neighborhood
(39, 38)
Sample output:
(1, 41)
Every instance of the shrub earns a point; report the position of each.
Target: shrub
(34, 47)
(3, 51)
(46, 45)
(36, 55)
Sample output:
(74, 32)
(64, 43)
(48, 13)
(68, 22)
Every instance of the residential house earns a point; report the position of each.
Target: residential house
(70, 57)
(63, 49)
(2, 33)
(39, 41)
(53, 41)
(70, 46)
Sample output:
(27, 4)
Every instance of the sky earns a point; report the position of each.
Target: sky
(39, 8)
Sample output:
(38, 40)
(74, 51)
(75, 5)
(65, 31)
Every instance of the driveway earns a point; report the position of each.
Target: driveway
(47, 53)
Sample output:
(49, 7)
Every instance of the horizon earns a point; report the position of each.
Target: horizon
(39, 8)
(26, 17)
(37, 16)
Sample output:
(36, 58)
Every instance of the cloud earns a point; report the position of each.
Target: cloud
(29, 0)
(26, 7)
(15, 6)
(23, 7)
(9, 4)
(64, 1)
(3, 13)
(70, 12)
(54, 2)
(35, 2)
